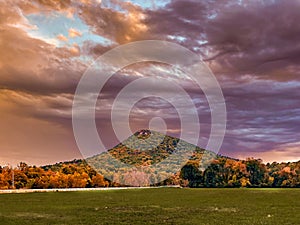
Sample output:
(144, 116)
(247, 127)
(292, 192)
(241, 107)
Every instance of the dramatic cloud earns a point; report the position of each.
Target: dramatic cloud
(252, 46)
(236, 37)
(119, 26)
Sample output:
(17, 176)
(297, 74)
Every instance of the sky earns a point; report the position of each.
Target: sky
(251, 46)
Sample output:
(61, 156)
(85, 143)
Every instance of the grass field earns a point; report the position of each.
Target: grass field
(153, 206)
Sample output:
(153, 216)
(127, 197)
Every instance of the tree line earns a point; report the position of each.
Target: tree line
(222, 172)
(75, 174)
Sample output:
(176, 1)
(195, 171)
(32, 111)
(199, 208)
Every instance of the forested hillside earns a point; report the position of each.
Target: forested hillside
(199, 171)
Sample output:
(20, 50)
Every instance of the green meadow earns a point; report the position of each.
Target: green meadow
(153, 206)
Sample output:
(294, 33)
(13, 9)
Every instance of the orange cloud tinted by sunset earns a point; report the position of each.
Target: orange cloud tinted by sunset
(62, 38)
(74, 33)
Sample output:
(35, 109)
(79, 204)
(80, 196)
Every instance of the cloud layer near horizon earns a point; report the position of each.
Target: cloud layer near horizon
(251, 46)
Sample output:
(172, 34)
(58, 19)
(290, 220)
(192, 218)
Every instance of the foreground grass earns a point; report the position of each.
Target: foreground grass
(153, 206)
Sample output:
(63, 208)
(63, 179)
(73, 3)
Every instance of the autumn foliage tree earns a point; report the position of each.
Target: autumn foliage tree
(220, 172)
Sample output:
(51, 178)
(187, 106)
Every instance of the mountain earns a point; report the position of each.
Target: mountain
(149, 152)
(151, 158)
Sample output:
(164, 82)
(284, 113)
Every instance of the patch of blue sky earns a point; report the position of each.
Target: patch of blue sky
(202, 42)
(50, 26)
(177, 38)
(151, 4)
(146, 4)
(212, 16)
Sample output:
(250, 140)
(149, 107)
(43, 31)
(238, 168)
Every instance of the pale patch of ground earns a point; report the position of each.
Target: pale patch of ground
(11, 191)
